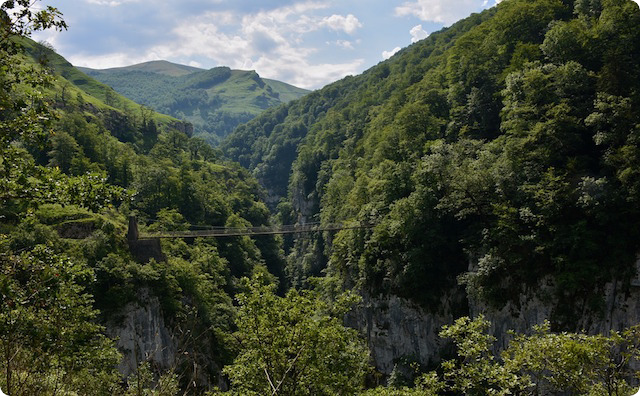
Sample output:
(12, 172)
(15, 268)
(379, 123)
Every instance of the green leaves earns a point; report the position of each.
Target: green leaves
(476, 372)
(295, 345)
(508, 142)
(538, 364)
(48, 336)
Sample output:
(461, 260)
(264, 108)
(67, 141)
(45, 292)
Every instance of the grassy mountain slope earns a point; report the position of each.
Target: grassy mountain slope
(72, 81)
(286, 92)
(499, 153)
(215, 101)
(158, 67)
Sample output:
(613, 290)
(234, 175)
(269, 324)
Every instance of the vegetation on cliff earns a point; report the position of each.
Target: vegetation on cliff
(542, 363)
(507, 141)
(497, 154)
(72, 168)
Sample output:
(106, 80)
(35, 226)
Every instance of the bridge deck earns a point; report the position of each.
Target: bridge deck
(250, 231)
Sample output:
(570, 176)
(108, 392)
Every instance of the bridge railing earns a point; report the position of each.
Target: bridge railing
(260, 230)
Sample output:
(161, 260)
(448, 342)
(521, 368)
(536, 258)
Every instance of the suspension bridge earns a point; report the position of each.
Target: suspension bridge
(218, 232)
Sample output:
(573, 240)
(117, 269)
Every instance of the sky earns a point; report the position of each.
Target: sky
(304, 43)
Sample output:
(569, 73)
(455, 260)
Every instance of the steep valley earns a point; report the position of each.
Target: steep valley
(496, 164)
(485, 156)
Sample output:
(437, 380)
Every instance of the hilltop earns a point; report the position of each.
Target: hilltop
(159, 67)
(215, 101)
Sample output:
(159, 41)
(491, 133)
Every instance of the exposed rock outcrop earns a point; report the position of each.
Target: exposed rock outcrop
(398, 330)
(77, 229)
(143, 335)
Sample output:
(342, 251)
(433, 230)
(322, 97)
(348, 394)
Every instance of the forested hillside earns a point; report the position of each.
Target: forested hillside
(500, 153)
(497, 163)
(215, 101)
(76, 159)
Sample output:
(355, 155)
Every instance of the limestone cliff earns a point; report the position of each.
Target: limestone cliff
(399, 331)
(142, 334)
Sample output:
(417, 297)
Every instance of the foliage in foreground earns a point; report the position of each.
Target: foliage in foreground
(296, 344)
(49, 342)
(543, 363)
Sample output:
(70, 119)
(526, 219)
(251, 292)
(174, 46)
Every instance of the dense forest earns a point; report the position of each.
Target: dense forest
(507, 142)
(214, 101)
(73, 167)
(497, 161)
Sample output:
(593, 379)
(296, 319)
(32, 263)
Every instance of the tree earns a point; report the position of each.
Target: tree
(296, 344)
(24, 114)
(49, 342)
(476, 371)
(541, 363)
(64, 151)
(142, 383)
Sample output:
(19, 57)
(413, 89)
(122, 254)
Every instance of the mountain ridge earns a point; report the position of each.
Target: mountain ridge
(155, 66)
(215, 101)
(73, 85)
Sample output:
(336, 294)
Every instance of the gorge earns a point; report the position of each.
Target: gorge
(492, 168)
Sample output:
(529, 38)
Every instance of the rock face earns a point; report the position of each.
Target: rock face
(399, 331)
(182, 126)
(142, 335)
(77, 229)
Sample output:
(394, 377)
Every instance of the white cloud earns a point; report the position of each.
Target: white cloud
(201, 36)
(51, 37)
(110, 3)
(346, 44)
(276, 42)
(270, 42)
(106, 61)
(349, 24)
(418, 33)
(441, 11)
(389, 54)
(297, 70)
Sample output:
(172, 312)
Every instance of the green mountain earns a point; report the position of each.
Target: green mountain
(495, 165)
(159, 67)
(73, 86)
(498, 154)
(215, 101)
